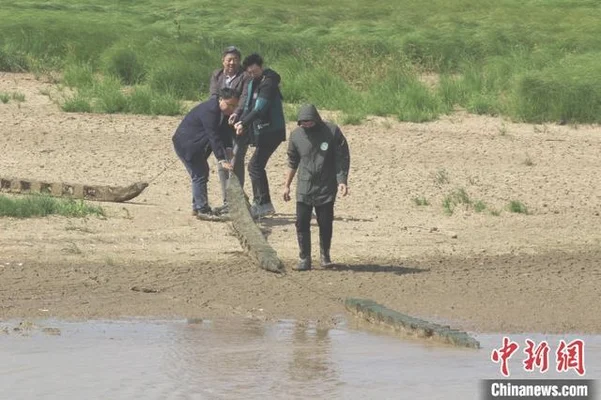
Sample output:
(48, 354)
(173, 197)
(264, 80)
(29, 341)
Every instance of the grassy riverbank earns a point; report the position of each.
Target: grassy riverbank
(533, 61)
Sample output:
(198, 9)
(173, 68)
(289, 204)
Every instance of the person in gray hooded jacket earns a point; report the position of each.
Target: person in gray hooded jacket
(318, 154)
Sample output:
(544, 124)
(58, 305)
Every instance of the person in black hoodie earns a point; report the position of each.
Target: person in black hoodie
(264, 127)
(202, 131)
(319, 152)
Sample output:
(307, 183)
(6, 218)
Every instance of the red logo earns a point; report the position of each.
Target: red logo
(537, 356)
(569, 356)
(504, 354)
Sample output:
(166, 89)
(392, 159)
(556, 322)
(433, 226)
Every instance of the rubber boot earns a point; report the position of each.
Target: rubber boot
(304, 243)
(326, 262)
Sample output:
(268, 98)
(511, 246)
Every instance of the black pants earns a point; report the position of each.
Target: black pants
(325, 220)
(256, 171)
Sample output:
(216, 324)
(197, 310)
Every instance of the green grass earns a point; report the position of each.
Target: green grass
(452, 200)
(41, 206)
(77, 103)
(479, 206)
(459, 197)
(421, 201)
(351, 119)
(106, 95)
(448, 205)
(79, 75)
(291, 112)
(530, 60)
(16, 96)
(516, 206)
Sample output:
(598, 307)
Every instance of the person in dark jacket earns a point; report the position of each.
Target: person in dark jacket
(263, 125)
(319, 152)
(202, 131)
(233, 76)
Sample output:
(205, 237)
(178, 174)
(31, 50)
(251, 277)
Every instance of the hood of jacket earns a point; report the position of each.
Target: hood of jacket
(269, 73)
(308, 112)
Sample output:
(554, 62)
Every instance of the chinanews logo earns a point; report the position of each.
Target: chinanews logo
(542, 357)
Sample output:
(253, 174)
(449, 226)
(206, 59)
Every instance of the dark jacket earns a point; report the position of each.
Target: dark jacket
(204, 126)
(263, 116)
(320, 156)
(239, 83)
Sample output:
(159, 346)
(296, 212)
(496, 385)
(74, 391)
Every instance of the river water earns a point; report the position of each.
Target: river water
(249, 359)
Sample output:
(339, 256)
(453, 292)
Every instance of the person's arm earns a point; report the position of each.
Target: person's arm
(266, 92)
(238, 113)
(342, 157)
(210, 122)
(227, 133)
(214, 85)
(293, 161)
(289, 177)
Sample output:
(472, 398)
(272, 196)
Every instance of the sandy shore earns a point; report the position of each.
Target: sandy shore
(485, 271)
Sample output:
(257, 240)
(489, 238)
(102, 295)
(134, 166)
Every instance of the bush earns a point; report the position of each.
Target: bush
(569, 91)
(124, 63)
(181, 78)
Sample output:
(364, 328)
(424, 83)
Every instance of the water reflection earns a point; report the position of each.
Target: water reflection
(246, 359)
(311, 363)
(208, 357)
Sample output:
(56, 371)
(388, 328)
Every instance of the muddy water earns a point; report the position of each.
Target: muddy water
(246, 359)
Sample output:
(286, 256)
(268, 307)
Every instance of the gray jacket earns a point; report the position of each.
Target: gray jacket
(238, 83)
(320, 156)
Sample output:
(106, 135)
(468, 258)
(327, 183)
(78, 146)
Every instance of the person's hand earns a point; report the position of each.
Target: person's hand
(232, 119)
(227, 165)
(229, 153)
(239, 128)
(343, 189)
(286, 193)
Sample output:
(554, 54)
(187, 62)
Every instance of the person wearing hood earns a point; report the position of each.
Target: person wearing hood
(319, 151)
(263, 126)
(232, 76)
